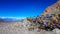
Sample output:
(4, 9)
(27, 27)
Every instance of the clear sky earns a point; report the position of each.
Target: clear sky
(23, 8)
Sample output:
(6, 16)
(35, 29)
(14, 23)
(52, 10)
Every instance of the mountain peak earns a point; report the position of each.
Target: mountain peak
(55, 8)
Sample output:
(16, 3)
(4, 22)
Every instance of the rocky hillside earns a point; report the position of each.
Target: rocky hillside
(50, 18)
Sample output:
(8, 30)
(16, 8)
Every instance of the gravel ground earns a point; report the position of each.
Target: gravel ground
(12, 28)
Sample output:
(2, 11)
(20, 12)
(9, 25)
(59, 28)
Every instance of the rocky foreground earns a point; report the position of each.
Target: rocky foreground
(17, 28)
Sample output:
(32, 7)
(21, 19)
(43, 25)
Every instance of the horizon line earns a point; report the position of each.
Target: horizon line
(14, 17)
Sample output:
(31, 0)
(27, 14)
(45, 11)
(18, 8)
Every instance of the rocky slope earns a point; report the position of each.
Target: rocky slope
(51, 15)
(47, 17)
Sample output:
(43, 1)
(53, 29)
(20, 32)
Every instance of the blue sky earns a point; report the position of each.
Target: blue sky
(23, 8)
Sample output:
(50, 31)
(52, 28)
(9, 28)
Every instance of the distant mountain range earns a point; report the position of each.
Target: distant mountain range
(10, 20)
